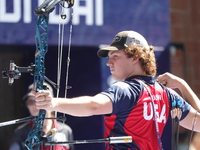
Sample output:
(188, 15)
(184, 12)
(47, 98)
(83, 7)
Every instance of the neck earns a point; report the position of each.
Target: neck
(48, 123)
(137, 70)
(141, 73)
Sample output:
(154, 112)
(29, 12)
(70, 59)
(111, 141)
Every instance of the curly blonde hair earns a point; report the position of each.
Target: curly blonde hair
(146, 58)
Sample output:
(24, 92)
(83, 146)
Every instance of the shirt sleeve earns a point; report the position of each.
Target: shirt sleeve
(17, 142)
(123, 96)
(178, 102)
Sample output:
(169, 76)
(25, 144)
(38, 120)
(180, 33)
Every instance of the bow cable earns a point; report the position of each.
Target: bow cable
(193, 124)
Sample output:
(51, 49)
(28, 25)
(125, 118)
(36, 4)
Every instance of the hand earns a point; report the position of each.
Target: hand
(44, 100)
(169, 80)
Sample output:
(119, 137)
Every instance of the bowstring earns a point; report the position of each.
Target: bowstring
(69, 51)
(60, 50)
(60, 46)
(59, 59)
(60, 53)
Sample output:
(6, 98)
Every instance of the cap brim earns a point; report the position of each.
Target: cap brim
(27, 95)
(104, 51)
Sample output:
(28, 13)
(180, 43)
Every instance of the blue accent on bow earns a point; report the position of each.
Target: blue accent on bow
(34, 138)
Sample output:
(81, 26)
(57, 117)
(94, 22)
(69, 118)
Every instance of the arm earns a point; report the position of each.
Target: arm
(173, 82)
(192, 119)
(79, 106)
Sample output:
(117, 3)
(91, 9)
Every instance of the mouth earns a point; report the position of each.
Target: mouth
(111, 69)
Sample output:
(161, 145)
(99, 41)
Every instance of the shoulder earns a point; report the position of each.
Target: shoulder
(22, 131)
(124, 89)
(124, 85)
(63, 127)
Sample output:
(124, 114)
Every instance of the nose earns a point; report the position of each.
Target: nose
(108, 62)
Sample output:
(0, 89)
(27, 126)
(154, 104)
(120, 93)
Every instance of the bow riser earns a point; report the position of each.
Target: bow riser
(34, 138)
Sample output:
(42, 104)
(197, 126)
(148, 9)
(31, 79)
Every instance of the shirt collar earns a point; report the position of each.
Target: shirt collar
(146, 79)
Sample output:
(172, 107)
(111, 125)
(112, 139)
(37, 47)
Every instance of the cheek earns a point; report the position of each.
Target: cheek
(33, 110)
(32, 107)
(124, 65)
(29, 107)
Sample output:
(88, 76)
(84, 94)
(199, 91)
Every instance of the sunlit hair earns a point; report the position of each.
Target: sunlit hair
(146, 58)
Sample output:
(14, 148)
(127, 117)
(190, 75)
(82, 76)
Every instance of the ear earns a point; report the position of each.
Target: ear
(135, 60)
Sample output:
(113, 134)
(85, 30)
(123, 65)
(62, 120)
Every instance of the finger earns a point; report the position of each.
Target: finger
(40, 98)
(163, 82)
(48, 98)
(33, 92)
(159, 78)
(42, 93)
(41, 105)
(42, 101)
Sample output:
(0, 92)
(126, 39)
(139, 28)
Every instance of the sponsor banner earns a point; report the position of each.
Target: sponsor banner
(95, 22)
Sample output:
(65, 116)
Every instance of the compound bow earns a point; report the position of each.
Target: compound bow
(34, 138)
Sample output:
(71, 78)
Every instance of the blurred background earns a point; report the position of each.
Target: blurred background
(172, 27)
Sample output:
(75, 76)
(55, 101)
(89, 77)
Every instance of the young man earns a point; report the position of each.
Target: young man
(64, 132)
(136, 105)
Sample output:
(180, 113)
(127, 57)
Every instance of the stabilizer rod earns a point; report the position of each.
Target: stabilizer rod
(26, 119)
(122, 139)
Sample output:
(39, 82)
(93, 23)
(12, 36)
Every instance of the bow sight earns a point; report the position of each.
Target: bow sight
(15, 71)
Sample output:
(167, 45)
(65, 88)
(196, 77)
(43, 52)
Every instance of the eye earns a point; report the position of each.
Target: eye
(113, 56)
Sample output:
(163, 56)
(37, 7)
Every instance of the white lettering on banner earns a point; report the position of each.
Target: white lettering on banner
(99, 12)
(160, 117)
(27, 11)
(90, 10)
(83, 10)
(10, 17)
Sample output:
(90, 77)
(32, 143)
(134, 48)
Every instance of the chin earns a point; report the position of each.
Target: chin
(118, 79)
(114, 78)
(35, 114)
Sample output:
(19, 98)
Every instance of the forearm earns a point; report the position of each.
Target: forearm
(191, 121)
(79, 106)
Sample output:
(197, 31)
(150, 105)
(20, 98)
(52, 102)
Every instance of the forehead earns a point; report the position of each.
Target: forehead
(115, 52)
(31, 98)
